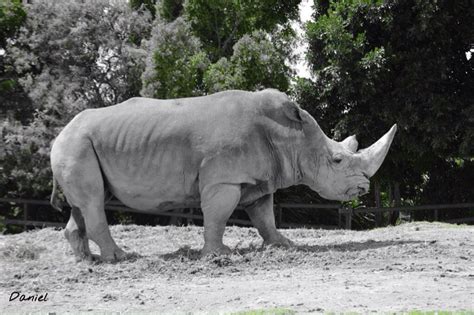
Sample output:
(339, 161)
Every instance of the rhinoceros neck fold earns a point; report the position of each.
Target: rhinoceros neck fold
(289, 169)
(310, 157)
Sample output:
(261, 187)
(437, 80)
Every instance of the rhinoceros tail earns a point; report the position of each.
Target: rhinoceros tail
(55, 202)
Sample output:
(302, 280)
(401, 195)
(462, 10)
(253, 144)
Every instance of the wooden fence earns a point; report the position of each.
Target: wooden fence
(349, 212)
(345, 214)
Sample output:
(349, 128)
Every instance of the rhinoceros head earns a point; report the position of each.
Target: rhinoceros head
(338, 170)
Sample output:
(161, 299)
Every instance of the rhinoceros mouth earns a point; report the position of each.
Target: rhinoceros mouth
(360, 190)
(363, 189)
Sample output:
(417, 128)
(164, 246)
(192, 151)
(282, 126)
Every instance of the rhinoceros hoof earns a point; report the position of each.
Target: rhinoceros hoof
(210, 250)
(87, 257)
(280, 242)
(117, 255)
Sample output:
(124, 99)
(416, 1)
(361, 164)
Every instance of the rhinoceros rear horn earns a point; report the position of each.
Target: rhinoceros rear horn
(350, 143)
(373, 156)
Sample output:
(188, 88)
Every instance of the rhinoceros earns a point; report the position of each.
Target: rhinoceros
(222, 150)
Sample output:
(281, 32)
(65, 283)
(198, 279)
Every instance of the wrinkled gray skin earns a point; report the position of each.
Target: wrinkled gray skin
(223, 150)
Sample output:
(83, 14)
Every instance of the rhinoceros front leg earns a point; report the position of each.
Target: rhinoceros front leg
(262, 217)
(217, 203)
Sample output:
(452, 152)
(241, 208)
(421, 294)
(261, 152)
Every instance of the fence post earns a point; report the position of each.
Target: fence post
(392, 220)
(25, 214)
(378, 204)
(339, 217)
(348, 216)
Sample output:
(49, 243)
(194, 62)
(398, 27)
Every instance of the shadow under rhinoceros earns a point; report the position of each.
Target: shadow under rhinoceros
(181, 253)
(187, 252)
(354, 246)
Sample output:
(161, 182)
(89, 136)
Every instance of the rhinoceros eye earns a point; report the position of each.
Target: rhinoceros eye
(337, 159)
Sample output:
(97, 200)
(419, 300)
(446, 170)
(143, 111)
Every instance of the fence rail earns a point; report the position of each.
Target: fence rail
(345, 212)
(349, 212)
(115, 205)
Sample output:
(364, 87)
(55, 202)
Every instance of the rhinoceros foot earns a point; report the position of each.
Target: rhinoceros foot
(120, 255)
(215, 250)
(279, 241)
(117, 255)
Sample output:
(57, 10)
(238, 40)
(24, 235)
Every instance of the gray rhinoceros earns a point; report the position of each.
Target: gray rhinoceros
(222, 150)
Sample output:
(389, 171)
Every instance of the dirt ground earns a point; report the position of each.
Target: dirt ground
(414, 266)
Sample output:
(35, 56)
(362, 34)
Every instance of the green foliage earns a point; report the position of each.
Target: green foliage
(148, 5)
(13, 100)
(170, 10)
(12, 16)
(251, 52)
(25, 170)
(183, 60)
(7, 85)
(213, 46)
(175, 64)
(67, 57)
(72, 57)
(219, 24)
(382, 62)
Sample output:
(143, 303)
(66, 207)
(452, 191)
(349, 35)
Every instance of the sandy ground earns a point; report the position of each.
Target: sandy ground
(415, 266)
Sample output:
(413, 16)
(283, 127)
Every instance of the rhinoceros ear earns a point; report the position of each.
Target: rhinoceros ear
(292, 111)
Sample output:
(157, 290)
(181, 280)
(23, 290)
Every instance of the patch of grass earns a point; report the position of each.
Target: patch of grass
(271, 311)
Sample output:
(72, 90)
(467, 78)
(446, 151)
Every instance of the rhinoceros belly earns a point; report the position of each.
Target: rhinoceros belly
(152, 178)
(154, 199)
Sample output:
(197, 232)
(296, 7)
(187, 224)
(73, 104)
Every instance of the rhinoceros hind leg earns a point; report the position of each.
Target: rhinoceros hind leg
(262, 217)
(217, 202)
(99, 232)
(83, 185)
(75, 233)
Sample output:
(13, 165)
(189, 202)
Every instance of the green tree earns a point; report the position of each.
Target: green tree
(12, 16)
(256, 63)
(170, 10)
(149, 5)
(80, 55)
(175, 63)
(217, 45)
(12, 97)
(380, 62)
(69, 56)
(219, 24)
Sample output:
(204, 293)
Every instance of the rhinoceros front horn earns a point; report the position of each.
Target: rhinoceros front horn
(373, 156)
